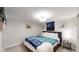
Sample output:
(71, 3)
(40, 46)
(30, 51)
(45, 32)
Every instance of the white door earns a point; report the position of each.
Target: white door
(1, 41)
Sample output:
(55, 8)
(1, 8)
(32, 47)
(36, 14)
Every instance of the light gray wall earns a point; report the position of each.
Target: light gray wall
(70, 29)
(15, 32)
(77, 34)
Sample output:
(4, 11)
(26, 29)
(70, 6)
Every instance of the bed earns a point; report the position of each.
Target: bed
(47, 42)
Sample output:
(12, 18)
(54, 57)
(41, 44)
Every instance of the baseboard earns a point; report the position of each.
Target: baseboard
(14, 45)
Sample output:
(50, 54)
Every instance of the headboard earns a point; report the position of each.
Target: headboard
(59, 34)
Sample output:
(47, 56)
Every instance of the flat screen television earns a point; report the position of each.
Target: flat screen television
(50, 26)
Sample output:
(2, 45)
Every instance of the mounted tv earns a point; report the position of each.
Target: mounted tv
(50, 26)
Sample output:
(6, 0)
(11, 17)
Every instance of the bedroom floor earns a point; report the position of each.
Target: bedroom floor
(22, 48)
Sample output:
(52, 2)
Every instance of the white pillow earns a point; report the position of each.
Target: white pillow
(51, 35)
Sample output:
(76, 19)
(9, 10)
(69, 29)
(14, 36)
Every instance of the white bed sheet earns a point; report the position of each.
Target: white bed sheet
(28, 45)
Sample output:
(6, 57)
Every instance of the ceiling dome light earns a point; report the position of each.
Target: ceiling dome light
(42, 16)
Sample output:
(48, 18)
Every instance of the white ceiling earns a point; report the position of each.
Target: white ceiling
(27, 13)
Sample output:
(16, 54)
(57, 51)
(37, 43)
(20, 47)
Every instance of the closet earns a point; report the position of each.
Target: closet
(2, 25)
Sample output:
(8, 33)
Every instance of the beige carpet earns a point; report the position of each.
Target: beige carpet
(18, 48)
(22, 48)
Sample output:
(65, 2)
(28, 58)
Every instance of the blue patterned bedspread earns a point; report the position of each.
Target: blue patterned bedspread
(36, 41)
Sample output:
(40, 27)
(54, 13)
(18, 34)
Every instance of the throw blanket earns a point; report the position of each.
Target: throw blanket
(46, 39)
(34, 42)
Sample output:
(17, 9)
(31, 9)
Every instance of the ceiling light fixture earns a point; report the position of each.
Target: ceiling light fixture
(43, 15)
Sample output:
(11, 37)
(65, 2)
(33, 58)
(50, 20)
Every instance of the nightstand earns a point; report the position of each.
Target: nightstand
(66, 44)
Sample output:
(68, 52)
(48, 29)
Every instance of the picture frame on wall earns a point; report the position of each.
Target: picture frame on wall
(28, 26)
(62, 24)
(50, 26)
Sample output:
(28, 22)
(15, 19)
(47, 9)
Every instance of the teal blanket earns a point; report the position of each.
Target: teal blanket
(45, 39)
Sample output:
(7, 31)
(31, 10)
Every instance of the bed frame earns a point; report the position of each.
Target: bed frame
(59, 36)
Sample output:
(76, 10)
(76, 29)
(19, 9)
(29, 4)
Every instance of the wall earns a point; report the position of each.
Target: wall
(77, 34)
(69, 31)
(15, 32)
